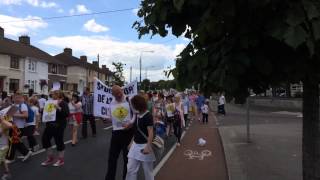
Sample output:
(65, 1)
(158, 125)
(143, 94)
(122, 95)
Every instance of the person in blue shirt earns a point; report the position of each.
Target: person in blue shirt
(199, 102)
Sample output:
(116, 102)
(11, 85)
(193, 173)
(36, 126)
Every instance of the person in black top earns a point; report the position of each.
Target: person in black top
(140, 152)
(55, 129)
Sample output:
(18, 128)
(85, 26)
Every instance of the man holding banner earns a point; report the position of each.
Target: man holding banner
(120, 114)
(113, 104)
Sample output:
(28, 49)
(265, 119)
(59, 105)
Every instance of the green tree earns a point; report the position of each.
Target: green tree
(145, 84)
(118, 73)
(241, 45)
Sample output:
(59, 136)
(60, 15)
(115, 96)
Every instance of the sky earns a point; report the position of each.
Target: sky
(110, 35)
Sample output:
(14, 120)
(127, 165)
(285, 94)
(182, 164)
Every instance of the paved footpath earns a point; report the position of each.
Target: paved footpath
(192, 162)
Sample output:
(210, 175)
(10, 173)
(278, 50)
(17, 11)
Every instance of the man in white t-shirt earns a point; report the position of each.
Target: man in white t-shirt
(221, 103)
(120, 115)
(19, 120)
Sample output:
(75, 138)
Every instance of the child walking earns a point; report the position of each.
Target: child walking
(205, 112)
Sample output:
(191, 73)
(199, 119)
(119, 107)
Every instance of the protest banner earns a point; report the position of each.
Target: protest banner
(102, 97)
(49, 111)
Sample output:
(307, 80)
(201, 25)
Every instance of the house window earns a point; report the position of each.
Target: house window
(53, 69)
(32, 66)
(14, 62)
(13, 85)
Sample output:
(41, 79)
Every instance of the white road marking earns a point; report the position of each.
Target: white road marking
(109, 127)
(192, 154)
(43, 150)
(166, 157)
(67, 142)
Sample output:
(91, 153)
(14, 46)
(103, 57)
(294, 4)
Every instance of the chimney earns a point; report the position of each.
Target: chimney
(95, 63)
(68, 51)
(24, 40)
(104, 67)
(83, 58)
(1, 33)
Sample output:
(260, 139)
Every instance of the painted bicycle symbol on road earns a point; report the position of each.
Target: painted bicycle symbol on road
(197, 155)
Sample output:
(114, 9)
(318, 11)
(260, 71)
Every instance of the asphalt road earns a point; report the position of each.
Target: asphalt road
(88, 160)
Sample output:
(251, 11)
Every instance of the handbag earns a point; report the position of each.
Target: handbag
(157, 142)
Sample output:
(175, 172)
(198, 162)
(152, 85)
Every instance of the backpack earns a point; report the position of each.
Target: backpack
(30, 118)
(177, 117)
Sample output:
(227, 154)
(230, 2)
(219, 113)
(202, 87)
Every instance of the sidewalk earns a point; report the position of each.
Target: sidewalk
(275, 149)
(192, 162)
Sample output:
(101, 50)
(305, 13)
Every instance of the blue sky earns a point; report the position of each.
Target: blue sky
(110, 35)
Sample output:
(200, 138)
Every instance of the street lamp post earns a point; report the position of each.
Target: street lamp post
(140, 60)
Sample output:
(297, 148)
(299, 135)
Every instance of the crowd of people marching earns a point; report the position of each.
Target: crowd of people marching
(150, 115)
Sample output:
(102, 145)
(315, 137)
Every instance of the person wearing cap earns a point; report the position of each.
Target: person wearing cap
(120, 113)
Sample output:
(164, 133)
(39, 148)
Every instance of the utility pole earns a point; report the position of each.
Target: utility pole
(130, 73)
(140, 66)
(98, 59)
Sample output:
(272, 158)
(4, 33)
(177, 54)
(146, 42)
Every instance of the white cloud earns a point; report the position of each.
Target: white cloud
(10, 2)
(35, 3)
(72, 11)
(16, 26)
(127, 52)
(92, 26)
(60, 10)
(79, 9)
(135, 11)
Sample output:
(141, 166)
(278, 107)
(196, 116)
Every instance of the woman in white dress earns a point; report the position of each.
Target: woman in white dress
(140, 152)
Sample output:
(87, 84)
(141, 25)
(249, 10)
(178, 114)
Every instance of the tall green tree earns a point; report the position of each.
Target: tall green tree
(145, 85)
(237, 45)
(118, 73)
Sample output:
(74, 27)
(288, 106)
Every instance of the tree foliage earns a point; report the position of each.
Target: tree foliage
(118, 73)
(236, 45)
(246, 44)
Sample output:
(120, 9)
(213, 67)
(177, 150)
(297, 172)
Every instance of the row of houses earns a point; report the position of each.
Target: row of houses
(24, 66)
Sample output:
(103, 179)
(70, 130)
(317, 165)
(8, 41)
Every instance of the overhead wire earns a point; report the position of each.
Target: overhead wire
(69, 16)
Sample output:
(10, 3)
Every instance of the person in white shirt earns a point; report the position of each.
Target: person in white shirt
(19, 120)
(121, 116)
(30, 127)
(221, 103)
(205, 112)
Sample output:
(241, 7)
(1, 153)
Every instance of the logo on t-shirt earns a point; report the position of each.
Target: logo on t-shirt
(120, 113)
(50, 108)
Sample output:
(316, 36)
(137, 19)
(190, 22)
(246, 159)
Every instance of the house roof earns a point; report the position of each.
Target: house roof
(12, 47)
(74, 61)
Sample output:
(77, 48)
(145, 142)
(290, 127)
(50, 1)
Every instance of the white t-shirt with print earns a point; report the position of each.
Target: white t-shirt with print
(20, 122)
(205, 109)
(35, 110)
(120, 114)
